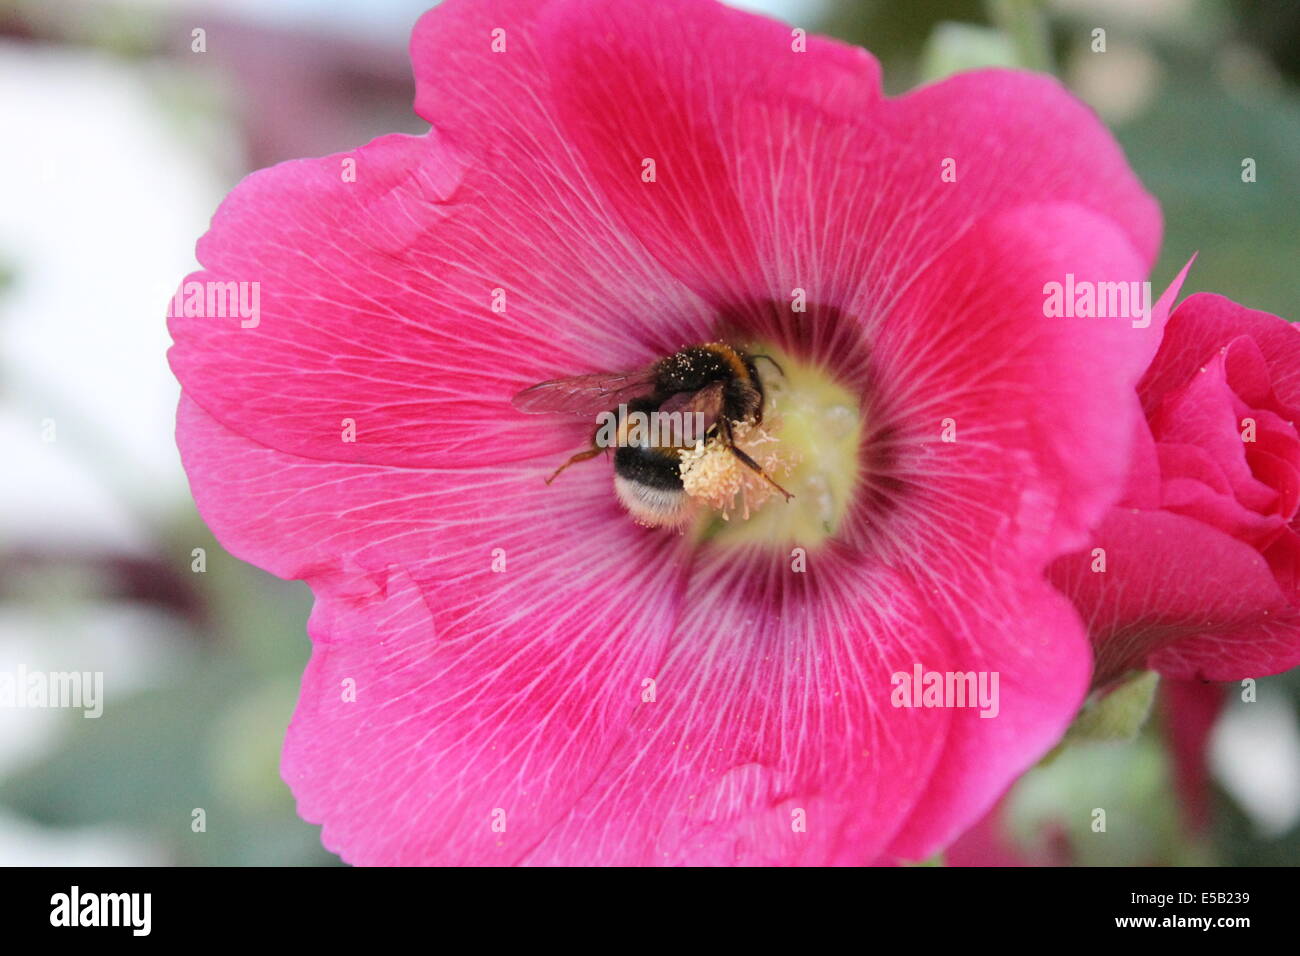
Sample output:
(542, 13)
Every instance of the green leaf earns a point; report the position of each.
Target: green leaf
(1117, 713)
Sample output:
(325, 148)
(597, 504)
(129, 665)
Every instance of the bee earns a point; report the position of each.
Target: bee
(715, 380)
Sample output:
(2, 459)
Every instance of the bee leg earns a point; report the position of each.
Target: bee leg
(580, 456)
(773, 361)
(749, 462)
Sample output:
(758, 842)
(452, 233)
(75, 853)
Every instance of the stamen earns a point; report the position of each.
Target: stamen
(715, 477)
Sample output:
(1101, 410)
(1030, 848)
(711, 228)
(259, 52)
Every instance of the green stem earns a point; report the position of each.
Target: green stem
(1025, 22)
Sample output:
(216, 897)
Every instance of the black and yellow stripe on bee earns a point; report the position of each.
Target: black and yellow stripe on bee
(646, 464)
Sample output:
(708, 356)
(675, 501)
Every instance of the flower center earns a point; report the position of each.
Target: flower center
(808, 442)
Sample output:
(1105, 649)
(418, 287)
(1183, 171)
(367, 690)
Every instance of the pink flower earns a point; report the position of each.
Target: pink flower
(509, 672)
(1200, 559)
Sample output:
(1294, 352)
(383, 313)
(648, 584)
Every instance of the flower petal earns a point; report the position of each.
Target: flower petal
(376, 305)
(1202, 325)
(1167, 579)
(996, 429)
(771, 738)
(774, 168)
(476, 688)
(1032, 638)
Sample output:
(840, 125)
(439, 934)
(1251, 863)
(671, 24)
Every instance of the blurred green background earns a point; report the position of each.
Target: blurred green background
(120, 141)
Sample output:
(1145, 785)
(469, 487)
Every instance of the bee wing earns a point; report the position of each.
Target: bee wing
(707, 401)
(584, 394)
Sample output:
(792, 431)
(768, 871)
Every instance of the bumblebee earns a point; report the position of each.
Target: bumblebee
(715, 381)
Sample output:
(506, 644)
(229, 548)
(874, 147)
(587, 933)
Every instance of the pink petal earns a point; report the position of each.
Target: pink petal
(783, 169)
(474, 689)
(614, 84)
(1205, 323)
(1169, 580)
(376, 303)
(1204, 413)
(1034, 640)
(1038, 454)
(772, 706)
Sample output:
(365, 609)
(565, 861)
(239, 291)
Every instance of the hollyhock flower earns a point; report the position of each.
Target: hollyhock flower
(506, 671)
(1200, 557)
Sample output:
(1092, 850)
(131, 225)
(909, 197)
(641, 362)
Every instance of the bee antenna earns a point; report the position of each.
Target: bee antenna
(773, 361)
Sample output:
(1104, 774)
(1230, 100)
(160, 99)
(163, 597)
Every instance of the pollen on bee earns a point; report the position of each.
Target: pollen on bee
(715, 477)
